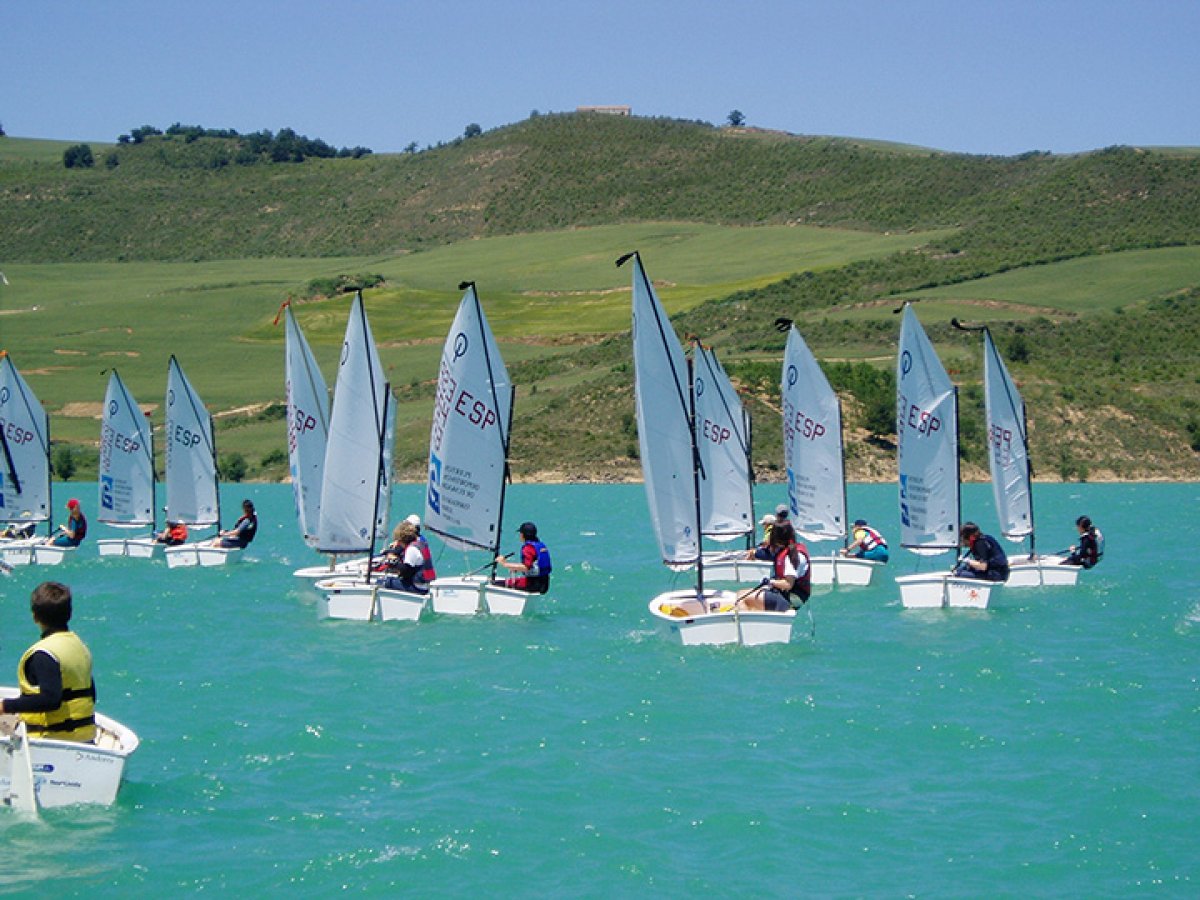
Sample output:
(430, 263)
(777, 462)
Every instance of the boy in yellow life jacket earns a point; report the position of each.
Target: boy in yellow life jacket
(58, 695)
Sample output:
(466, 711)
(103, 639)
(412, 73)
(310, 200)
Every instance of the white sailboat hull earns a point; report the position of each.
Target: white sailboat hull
(1046, 571)
(361, 601)
(471, 594)
(934, 590)
(50, 554)
(201, 554)
(19, 552)
(723, 626)
(68, 772)
(845, 570)
(351, 567)
(134, 548)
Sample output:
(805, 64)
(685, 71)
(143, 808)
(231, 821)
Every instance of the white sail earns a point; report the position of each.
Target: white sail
(723, 439)
(126, 474)
(308, 427)
(468, 442)
(24, 450)
(357, 482)
(664, 435)
(927, 438)
(812, 445)
(1008, 448)
(191, 454)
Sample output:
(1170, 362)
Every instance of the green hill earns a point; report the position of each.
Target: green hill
(1086, 266)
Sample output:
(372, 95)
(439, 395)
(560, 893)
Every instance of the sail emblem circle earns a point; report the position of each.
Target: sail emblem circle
(905, 363)
(699, 387)
(113, 407)
(4, 395)
(792, 376)
(460, 345)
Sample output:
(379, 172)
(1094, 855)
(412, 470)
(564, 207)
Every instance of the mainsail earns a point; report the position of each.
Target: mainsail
(812, 445)
(308, 427)
(24, 450)
(126, 474)
(356, 488)
(665, 440)
(927, 438)
(1008, 448)
(723, 440)
(468, 442)
(191, 454)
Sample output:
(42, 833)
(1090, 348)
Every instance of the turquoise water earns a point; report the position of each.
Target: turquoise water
(1045, 747)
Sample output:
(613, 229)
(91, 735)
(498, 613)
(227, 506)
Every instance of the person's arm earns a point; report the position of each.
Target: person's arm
(43, 670)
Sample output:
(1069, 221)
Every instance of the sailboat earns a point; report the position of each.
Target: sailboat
(25, 496)
(468, 461)
(356, 486)
(1012, 474)
(726, 476)
(192, 488)
(126, 473)
(308, 437)
(671, 469)
(42, 772)
(927, 460)
(815, 463)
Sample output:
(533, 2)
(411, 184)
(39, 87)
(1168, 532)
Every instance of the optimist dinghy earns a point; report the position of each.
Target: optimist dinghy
(671, 470)
(40, 772)
(927, 460)
(126, 482)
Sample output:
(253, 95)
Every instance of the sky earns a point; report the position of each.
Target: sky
(969, 76)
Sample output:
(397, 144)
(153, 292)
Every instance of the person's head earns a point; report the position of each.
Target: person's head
(415, 521)
(1084, 524)
(968, 534)
(783, 534)
(50, 604)
(405, 532)
(781, 512)
(860, 523)
(528, 531)
(248, 507)
(767, 521)
(73, 507)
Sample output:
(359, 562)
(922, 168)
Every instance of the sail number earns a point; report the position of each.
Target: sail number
(799, 423)
(184, 435)
(715, 431)
(15, 434)
(913, 416)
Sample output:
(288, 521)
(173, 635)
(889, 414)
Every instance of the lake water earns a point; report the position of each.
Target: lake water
(1046, 747)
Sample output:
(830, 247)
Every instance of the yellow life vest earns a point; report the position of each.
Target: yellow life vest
(75, 717)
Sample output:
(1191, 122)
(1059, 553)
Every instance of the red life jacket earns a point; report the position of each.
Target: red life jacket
(802, 587)
(427, 572)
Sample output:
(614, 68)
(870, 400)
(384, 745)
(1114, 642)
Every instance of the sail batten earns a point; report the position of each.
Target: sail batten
(469, 437)
(126, 471)
(927, 443)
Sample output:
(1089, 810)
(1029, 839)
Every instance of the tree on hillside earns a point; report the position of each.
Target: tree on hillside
(736, 119)
(472, 130)
(1, 129)
(78, 156)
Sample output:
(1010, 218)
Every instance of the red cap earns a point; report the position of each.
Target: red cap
(72, 503)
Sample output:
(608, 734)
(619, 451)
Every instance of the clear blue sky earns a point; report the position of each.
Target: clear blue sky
(960, 75)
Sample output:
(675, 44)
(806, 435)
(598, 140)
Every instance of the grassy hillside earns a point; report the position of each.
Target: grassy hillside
(1087, 268)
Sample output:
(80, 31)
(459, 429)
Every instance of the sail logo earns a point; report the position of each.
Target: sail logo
(461, 343)
(715, 431)
(15, 434)
(905, 364)
(905, 516)
(434, 494)
(442, 403)
(106, 492)
(796, 422)
(184, 436)
(911, 415)
(474, 410)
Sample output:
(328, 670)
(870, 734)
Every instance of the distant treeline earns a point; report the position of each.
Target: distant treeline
(258, 146)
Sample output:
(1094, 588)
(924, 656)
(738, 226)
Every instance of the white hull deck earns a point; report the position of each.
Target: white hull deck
(362, 601)
(843, 570)
(680, 617)
(470, 594)
(68, 772)
(350, 567)
(732, 567)
(134, 548)
(1045, 571)
(201, 554)
(934, 590)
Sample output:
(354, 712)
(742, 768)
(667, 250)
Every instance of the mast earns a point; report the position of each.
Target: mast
(696, 470)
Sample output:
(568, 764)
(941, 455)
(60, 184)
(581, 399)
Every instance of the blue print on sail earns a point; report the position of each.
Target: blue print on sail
(435, 480)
